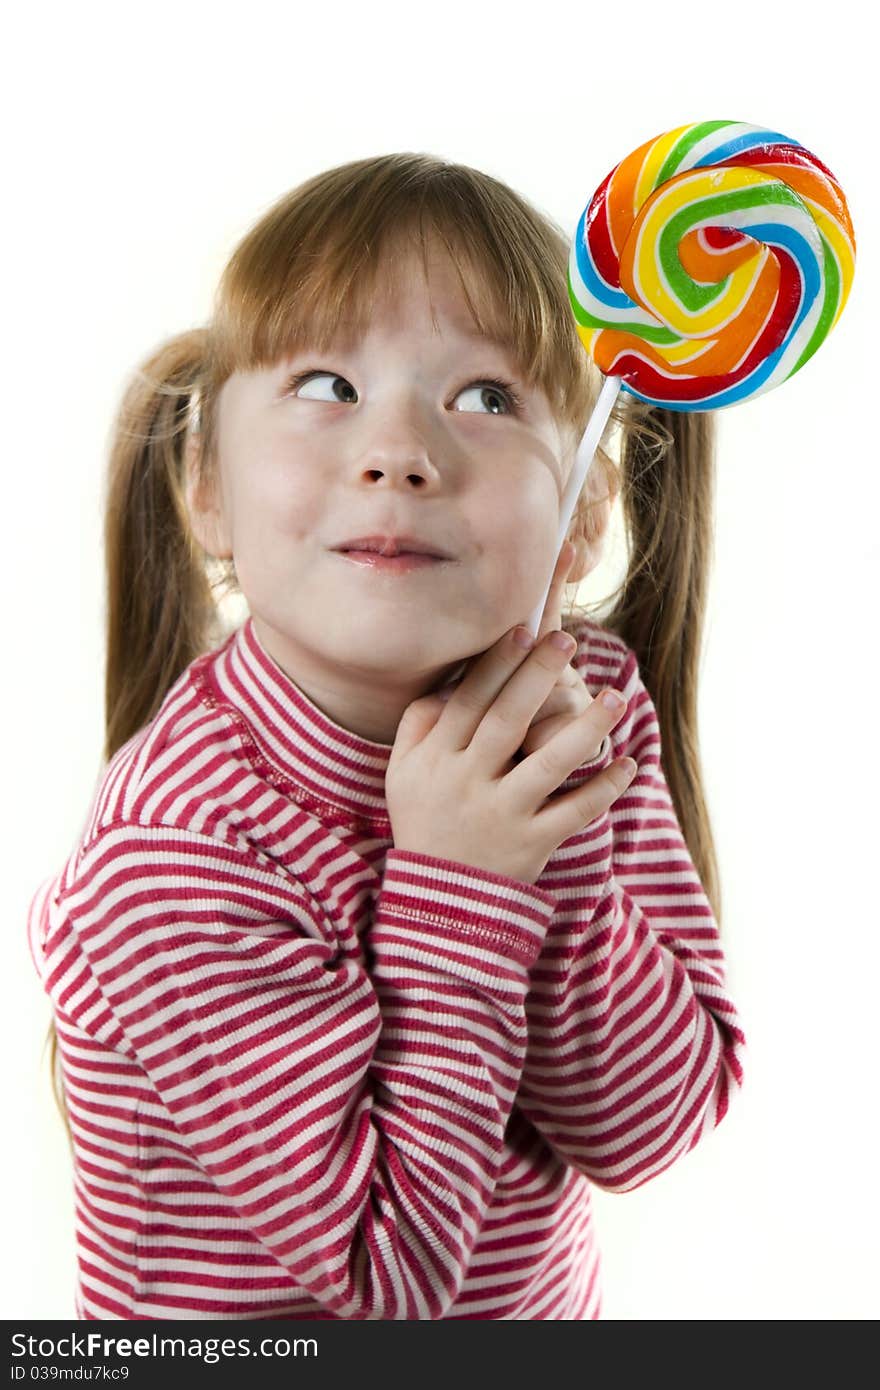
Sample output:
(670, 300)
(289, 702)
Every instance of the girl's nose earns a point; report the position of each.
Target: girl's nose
(398, 470)
(396, 450)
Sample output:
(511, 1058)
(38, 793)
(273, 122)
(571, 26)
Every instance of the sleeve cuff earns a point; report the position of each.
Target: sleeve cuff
(502, 913)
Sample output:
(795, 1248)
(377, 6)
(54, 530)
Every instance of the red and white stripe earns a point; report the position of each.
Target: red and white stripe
(310, 1075)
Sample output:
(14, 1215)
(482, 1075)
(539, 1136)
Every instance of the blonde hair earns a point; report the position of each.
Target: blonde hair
(312, 261)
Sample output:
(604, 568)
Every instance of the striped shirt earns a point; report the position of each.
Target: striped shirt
(310, 1075)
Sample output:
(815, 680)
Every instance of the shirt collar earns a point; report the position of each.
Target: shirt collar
(297, 740)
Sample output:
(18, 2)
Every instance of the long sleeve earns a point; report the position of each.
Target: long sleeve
(350, 1114)
(634, 1044)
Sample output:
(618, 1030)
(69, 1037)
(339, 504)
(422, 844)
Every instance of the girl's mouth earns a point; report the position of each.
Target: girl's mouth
(392, 564)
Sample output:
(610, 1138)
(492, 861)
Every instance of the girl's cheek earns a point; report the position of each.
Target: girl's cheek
(291, 493)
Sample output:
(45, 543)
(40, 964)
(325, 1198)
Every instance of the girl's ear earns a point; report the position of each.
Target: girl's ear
(206, 517)
(590, 521)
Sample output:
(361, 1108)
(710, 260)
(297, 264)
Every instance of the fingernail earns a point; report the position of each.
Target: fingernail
(446, 692)
(611, 700)
(563, 642)
(523, 638)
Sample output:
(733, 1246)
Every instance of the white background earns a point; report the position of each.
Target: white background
(141, 142)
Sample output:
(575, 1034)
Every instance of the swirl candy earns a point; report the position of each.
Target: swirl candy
(707, 268)
(710, 265)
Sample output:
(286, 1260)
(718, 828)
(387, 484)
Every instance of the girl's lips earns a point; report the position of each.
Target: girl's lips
(391, 564)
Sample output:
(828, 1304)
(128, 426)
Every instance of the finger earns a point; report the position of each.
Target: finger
(505, 725)
(566, 815)
(541, 733)
(540, 774)
(505, 689)
(573, 678)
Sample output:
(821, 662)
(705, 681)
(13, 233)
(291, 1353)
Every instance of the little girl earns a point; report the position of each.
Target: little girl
(357, 990)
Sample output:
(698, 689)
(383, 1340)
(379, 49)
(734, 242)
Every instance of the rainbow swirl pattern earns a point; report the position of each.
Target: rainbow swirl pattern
(710, 265)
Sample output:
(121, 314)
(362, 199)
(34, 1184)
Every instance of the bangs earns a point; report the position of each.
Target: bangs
(308, 275)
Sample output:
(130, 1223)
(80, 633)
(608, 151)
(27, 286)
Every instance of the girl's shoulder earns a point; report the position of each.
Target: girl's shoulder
(155, 776)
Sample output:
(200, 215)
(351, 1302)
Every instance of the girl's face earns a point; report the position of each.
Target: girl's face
(398, 433)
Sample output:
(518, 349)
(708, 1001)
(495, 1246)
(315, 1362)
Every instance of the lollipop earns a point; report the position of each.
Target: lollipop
(707, 268)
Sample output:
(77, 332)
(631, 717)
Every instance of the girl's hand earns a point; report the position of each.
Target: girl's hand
(569, 697)
(454, 789)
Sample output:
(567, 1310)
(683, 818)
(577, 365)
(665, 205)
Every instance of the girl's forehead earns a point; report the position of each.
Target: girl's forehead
(408, 309)
(408, 290)
(447, 281)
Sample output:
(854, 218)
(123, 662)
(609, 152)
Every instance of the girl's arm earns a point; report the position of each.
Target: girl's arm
(635, 1047)
(353, 1119)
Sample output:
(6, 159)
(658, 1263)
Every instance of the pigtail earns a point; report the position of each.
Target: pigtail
(161, 611)
(667, 496)
(161, 604)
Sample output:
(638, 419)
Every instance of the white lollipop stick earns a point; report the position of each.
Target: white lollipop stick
(586, 452)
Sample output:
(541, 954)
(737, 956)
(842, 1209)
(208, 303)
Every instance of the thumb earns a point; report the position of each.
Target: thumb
(417, 720)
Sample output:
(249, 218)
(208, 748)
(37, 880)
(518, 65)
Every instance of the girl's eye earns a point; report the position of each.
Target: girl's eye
(489, 394)
(312, 378)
